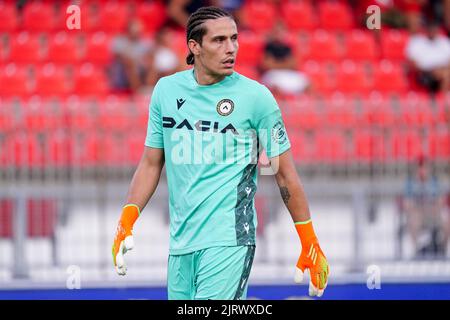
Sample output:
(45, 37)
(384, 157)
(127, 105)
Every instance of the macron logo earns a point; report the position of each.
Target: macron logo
(180, 103)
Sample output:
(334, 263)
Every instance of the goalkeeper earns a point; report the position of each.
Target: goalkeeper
(211, 199)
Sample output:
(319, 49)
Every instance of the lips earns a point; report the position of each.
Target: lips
(229, 62)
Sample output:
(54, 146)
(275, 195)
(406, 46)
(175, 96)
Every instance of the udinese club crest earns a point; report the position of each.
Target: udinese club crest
(225, 107)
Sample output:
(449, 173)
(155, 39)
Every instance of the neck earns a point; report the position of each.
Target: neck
(203, 78)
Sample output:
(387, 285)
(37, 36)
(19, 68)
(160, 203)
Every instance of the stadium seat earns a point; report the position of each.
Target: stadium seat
(6, 217)
(260, 16)
(340, 112)
(303, 115)
(39, 17)
(63, 48)
(8, 18)
(300, 148)
(330, 146)
(298, 15)
(251, 48)
(439, 144)
(377, 112)
(113, 17)
(14, 81)
(42, 217)
(59, 149)
(114, 116)
(90, 80)
(389, 77)
(323, 45)
(248, 71)
(351, 77)
(51, 80)
(393, 43)
(415, 110)
(368, 146)
(134, 147)
(152, 14)
(318, 74)
(406, 145)
(87, 150)
(335, 15)
(26, 150)
(80, 115)
(25, 48)
(360, 45)
(98, 48)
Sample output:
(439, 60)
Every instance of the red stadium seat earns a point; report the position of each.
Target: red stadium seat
(26, 150)
(63, 48)
(323, 45)
(14, 81)
(389, 77)
(320, 79)
(8, 18)
(351, 77)
(135, 147)
(39, 17)
(439, 144)
(98, 48)
(298, 15)
(87, 151)
(360, 45)
(152, 14)
(51, 80)
(90, 81)
(259, 16)
(250, 48)
(248, 71)
(59, 149)
(301, 150)
(377, 112)
(25, 48)
(415, 110)
(7, 207)
(112, 150)
(368, 146)
(80, 116)
(113, 17)
(406, 145)
(330, 146)
(113, 117)
(303, 115)
(393, 43)
(335, 15)
(42, 217)
(340, 112)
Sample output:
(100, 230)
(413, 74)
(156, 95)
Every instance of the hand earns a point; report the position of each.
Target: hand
(122, 244)
(312, 258)
(123, 241)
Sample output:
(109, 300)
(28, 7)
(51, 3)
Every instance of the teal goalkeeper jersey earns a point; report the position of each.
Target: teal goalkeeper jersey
(212, 136)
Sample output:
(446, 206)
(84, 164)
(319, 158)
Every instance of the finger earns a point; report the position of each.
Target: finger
(313, 291)
(121, 271)
(120, 261)
(298, 278)
(129, 243)
(321, 291)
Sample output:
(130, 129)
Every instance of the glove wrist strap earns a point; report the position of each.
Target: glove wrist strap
(130, 213)
(306, 233)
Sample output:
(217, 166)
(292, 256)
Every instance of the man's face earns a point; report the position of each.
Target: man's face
(217, 53)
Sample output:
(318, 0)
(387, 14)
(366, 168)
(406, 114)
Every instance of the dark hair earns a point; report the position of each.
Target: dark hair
(195, 29)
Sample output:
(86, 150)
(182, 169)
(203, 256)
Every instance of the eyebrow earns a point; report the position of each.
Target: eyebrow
(223, 37)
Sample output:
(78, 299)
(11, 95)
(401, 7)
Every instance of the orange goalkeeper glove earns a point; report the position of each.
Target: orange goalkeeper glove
(123, 241)
(311, 258)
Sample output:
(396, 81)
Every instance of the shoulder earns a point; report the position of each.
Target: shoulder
(253, 87)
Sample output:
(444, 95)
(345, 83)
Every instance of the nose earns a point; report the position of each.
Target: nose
(231, 46)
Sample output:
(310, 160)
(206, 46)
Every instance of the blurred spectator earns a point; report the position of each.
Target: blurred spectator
(178, 11)
(429, 58)
(162, 60)
(424, 211)
(128, 70)
(279, 66)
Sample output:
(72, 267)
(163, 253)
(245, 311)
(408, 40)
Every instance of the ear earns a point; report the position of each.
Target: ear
(194, 47)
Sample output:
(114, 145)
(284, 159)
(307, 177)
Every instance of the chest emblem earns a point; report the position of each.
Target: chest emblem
(225, 107)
